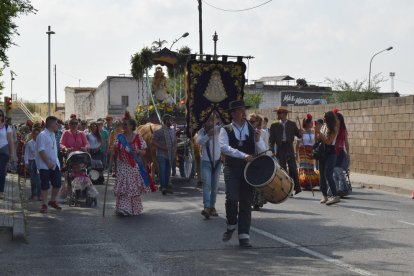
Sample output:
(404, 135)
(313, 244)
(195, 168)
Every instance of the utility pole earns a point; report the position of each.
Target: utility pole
(200, 26)
(55, 90)
(392, 75)
(215, 38)
(49, 32)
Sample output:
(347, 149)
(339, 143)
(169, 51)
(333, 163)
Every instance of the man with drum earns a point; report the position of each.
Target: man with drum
(239, 141)
(282, 134)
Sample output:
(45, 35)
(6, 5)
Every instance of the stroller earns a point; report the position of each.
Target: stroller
(342, 180)
(80, 186)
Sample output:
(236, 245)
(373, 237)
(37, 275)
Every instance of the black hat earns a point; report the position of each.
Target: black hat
(237, 104)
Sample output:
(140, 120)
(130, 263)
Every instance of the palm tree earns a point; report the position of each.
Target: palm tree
(157, 45)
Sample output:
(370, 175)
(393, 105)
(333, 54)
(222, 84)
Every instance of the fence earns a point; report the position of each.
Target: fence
(381, 133)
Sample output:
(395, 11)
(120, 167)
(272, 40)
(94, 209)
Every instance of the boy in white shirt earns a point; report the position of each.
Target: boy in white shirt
(30, 162)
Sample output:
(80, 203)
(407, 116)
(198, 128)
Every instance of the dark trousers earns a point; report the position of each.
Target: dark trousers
(326, 169)
(239, 197)
(286, 155)
(4, 158)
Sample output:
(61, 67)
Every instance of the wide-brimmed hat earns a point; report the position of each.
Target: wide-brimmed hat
(281, 109)
(237, 104)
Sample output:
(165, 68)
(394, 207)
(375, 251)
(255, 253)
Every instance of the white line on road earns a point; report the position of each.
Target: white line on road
(305, 250)
(406, 222)
(362, 212)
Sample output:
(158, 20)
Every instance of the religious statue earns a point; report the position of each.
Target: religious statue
(159, 87)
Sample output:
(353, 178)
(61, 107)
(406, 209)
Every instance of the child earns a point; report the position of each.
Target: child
(30, 162)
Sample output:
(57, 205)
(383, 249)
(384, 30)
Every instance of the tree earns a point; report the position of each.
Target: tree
(356, 91)
(9, 10)
(157, 45)
(253, 99)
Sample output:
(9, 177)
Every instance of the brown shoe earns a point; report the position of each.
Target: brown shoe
(54, 205)
(206, 213)
(213, 212)
(43, 209)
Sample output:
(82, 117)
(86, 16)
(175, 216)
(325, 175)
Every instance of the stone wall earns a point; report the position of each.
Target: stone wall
(381, 133)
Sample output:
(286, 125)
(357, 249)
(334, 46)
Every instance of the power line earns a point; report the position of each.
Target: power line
(238, 10)
(405, 81)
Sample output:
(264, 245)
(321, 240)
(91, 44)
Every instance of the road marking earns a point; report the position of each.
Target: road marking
(313, 253)
(362, 212)
(303, 249)
(406, 222)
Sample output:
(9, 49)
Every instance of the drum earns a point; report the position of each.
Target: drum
(265, 174)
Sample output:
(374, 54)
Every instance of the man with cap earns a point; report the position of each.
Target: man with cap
(165, 143)
(282, 134)
(239, 141)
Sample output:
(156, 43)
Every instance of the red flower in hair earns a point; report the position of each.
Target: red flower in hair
(43, 123)
(335, 110)
(73, 116)
(309, 116)
(127, 115)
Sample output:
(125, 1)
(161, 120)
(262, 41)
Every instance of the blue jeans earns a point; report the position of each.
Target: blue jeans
(164, 168)
(4, 158)
(34, 178)
(210, 183)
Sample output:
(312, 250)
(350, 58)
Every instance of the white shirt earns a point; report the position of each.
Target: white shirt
(308, 139)
(3, 135)
(46, 142)
(265, 135)
(203, 139)
(30, 151)
(241, 134)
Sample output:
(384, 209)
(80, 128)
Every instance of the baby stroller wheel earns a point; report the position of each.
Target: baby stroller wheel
(71, 202)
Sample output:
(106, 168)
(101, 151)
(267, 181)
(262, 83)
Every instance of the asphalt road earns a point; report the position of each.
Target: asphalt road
(370, 233)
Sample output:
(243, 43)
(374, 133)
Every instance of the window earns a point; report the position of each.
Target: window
(125, 101)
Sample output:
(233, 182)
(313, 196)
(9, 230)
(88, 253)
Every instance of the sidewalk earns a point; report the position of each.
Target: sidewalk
(11, 212)
(389, 184)
(395, 185)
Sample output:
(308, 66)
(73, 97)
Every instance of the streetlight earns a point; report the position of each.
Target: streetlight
(49, 32)
(184, 35)
(12, 74)
(370, 63)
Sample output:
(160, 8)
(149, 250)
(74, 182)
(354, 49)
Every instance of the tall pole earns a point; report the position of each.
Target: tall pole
(370, 63)
(200, 25)
(215, 38)
(11, 85)
(49, 32)
(55, 90)
(392, 75)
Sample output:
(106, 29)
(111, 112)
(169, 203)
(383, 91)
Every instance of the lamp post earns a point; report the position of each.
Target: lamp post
(184, 35)
(12, 74)
(370, 63)
(49, 32)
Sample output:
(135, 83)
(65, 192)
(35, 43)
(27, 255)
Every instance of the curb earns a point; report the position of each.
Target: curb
(385, 188)
(19, 226)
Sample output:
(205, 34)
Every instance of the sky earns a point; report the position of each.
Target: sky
(311, 39)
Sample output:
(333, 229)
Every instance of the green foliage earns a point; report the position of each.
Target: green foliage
(1, 82)
(9, 10)
(253, 99)
(356, 91)
(157, 45)
(141, 61)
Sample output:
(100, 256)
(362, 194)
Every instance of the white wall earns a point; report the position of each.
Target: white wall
(82, 104)
(270, 98)
(125, 86)
(101, 100)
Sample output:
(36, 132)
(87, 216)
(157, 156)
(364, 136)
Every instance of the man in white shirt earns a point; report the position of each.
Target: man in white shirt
(30, 162)
(208, 138)
(238, 142)
(47, 162)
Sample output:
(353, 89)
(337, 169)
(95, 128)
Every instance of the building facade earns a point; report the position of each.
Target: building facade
(114, 96)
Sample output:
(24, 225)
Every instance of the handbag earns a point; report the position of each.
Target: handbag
(318, 151)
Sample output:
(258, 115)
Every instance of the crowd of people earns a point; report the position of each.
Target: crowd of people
(41, 149)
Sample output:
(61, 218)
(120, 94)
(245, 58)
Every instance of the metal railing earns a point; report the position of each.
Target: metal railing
(25, 110)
